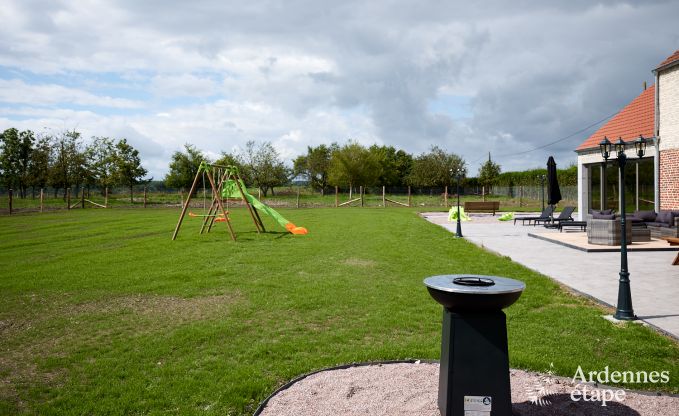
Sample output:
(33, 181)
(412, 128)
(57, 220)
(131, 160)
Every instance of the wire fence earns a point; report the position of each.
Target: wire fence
(51, 199)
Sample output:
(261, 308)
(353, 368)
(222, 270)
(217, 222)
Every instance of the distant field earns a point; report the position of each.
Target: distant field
(100, 313)
(283, 197)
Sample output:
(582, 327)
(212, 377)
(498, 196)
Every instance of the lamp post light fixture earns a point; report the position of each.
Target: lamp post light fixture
(624, 310)
(458, 175)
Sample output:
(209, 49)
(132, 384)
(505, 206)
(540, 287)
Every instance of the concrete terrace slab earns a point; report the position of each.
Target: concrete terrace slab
(654, 281)
(578, 240)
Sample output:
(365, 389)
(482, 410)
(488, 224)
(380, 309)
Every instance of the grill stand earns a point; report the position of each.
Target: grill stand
(474, 364)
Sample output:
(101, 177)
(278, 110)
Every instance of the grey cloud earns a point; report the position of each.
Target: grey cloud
(535, 70)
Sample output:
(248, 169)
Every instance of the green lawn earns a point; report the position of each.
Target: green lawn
(101, 313)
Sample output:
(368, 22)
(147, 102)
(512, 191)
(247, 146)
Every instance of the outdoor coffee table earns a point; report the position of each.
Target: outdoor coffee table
(581, 224)
(673, 242)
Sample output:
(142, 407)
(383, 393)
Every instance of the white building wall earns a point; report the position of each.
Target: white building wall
(669, 108)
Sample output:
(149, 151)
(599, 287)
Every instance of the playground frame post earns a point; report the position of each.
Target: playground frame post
(68, 198)
(445, 196)
(144, 196)
(82, 197)
(42, 199)
(409, 197)
(336, 196)
(185, 205)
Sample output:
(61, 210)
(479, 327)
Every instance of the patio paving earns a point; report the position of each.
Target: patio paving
(654, 281)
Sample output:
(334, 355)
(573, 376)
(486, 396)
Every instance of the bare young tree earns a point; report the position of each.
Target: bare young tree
(263, 166)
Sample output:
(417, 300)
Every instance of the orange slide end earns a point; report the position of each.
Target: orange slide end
(295, 229)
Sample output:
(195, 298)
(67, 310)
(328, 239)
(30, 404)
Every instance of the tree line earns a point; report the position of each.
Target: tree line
(325, 166)
(62, 160)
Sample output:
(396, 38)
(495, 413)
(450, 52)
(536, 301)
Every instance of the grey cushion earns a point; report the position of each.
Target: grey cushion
(675, 215)
(658, 224)
(665, 217)
(597, 215)
(646, 216)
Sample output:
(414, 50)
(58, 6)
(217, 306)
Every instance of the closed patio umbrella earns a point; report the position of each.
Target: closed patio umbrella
(552, 182)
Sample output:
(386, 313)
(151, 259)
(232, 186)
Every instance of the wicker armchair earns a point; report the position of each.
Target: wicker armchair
(607, 232)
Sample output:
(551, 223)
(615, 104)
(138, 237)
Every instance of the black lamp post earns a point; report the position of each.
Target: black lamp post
(624, 310)
(458, 175)
(542, 188)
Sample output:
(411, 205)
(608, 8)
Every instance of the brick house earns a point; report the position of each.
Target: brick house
(652, 182)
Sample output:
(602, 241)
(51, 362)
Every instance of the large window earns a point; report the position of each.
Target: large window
(638, 185)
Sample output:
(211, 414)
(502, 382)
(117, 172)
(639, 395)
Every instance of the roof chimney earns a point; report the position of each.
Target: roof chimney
(644, 85)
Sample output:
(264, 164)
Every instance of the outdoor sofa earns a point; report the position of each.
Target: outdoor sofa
(664, 223)
(604, 228)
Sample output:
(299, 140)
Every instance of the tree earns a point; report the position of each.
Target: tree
(183, 167)
(228, 159)
(352, 165)
(68, 167)
(263, 166)
(315, 165)
(394, 165)
(128, 168)
(15, 156)
(39, 166)
(434, 168)
(101, 156)
(488, 173)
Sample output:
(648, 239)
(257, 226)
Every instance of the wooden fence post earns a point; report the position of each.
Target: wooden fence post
(445, 196)
(144, 197)
(10, 202)
(106, 197)
(82, 197)
(384, 196)
(409, 196)
(360, 190)
(298, 197)
(336, 196)
(68, 198)
(42, 199)
(521, 195)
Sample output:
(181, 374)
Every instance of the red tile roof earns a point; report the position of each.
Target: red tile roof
(672, 58)
(635, 119)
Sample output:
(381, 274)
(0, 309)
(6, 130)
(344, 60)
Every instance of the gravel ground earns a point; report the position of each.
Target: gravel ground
(411, 389)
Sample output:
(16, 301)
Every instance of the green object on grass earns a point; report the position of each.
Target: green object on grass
(452, 214)
(506, 217)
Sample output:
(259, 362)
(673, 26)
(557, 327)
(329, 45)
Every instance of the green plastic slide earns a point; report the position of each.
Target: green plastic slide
(230, 190)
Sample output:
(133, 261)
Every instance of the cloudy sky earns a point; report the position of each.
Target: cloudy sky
(470, 77)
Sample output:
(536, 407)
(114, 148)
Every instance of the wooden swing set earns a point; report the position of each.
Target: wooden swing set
(218, 177)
